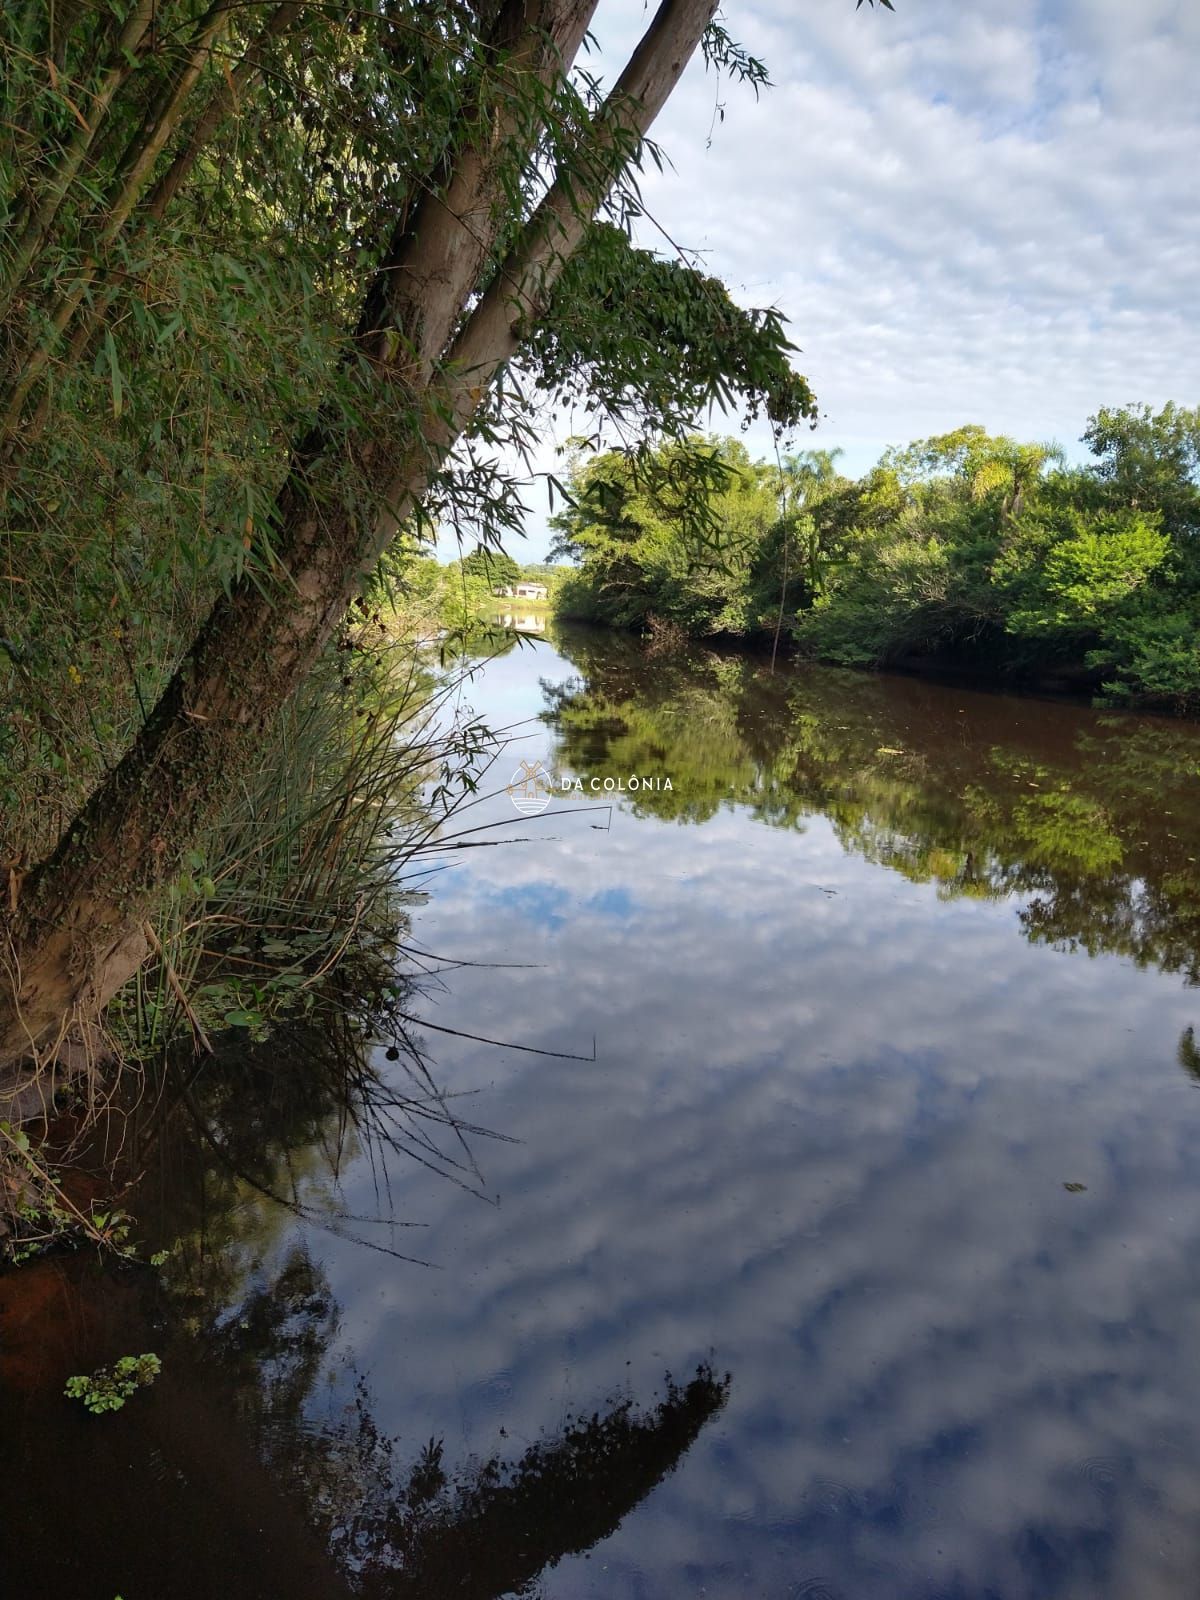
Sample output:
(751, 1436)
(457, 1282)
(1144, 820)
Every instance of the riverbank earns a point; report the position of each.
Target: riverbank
(969, 553)
(1054, 681)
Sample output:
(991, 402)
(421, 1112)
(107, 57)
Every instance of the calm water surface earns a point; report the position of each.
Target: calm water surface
(889, 1154)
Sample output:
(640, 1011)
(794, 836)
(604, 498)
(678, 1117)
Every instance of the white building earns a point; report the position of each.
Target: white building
(524, 591)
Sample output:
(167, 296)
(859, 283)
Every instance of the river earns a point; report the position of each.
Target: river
(857, 1092)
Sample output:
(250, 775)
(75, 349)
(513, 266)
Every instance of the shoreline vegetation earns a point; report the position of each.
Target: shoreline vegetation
(968, 555)
(255, 332)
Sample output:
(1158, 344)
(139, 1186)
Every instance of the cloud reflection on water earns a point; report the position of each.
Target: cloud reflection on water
(825, 1139)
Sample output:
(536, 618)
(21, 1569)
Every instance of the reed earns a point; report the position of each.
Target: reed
(307, 870)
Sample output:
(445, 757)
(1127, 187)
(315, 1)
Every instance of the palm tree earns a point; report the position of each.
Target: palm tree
(803, 474)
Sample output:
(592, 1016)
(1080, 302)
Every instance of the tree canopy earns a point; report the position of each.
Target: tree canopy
(967, 549)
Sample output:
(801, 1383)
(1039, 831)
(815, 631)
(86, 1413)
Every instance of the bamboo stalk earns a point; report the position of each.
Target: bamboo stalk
(139, 163)
(43, 215)
(241, 81)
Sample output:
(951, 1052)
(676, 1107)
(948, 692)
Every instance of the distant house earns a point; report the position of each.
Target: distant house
(523, 591)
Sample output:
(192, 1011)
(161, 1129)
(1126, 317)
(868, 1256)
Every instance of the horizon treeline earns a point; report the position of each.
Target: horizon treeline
(965, 551)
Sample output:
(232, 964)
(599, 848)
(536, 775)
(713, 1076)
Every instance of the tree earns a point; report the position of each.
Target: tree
(455, 157)
(493, 566)
(671, 534)
(806, 476)
(1149, 459)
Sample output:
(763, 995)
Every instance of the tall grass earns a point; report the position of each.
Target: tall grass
(306, 868)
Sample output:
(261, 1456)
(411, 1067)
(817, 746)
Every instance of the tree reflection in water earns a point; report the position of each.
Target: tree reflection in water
(1088, 818)
(227, 1477)
(420, 1526)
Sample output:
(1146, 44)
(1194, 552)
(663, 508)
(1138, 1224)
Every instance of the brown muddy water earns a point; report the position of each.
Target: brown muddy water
(860, 1256)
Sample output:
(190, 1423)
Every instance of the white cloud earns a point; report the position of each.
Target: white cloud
(967, 213)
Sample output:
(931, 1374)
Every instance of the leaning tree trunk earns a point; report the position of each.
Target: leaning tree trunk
(75, 935)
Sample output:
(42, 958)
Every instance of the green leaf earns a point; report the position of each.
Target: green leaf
(114, 372)
(239, 1018)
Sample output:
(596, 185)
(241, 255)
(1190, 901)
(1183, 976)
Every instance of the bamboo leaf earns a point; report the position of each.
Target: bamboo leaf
(114, 372)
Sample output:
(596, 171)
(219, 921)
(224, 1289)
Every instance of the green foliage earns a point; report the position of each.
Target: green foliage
(300, 878)
(493, 566)
(36, 1226)
(1152, 656)
(1091, 564)
(630, 333)
(108, 1388)
(465, 595)
(1087, 818)
(672, 534)
(1150, 460)
(36, 1213)
(965, 550)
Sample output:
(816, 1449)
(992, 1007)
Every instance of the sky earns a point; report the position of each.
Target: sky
(968, 212)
